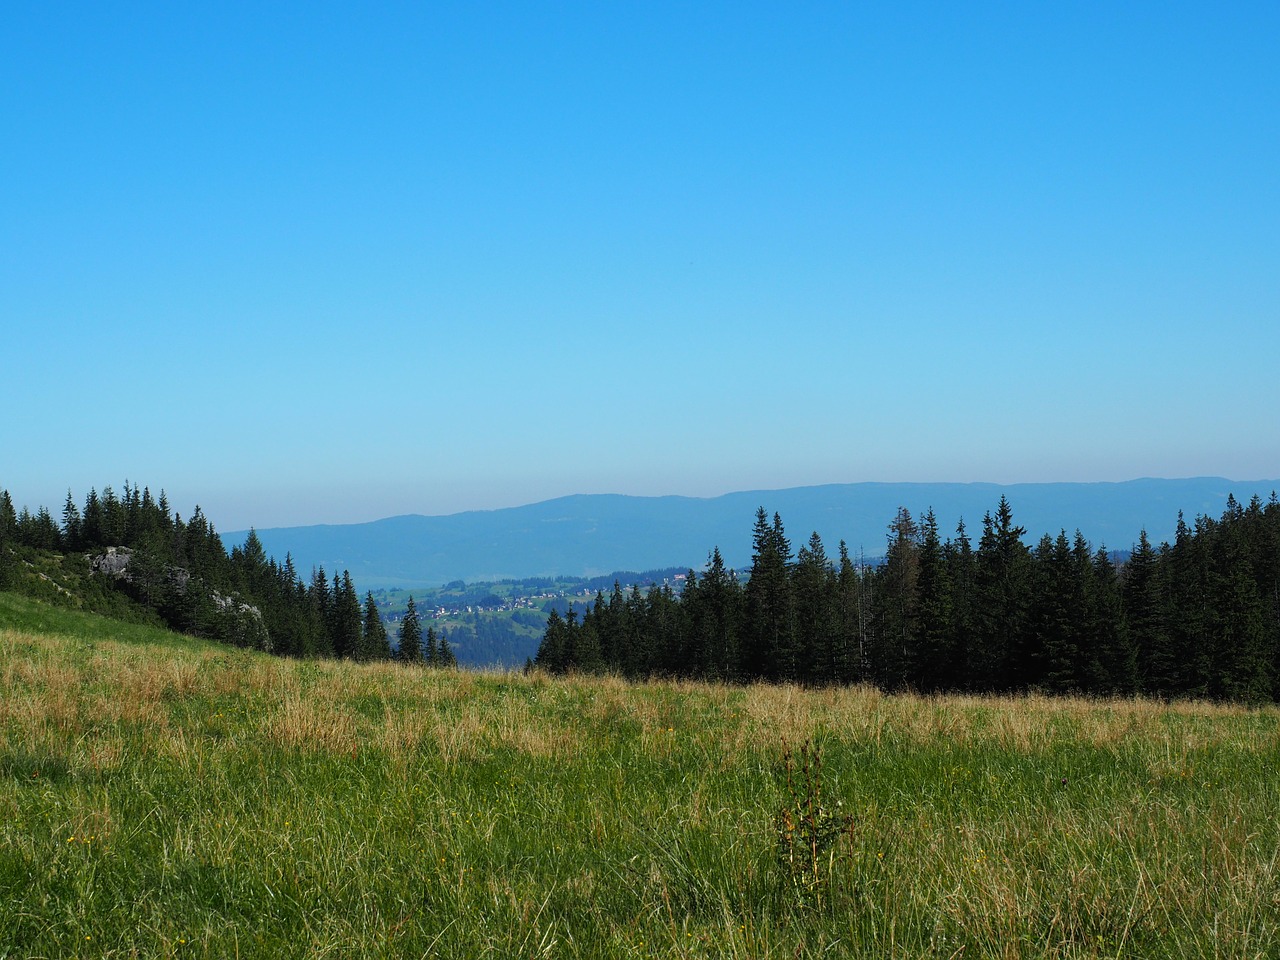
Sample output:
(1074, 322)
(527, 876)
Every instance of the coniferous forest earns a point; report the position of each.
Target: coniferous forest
(179, 573)
(1198, 618)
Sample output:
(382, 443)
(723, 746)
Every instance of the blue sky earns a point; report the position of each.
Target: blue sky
(322, 263)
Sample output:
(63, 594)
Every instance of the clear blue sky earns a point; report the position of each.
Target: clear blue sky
(324, 263)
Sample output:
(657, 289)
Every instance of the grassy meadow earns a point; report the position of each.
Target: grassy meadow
(162, 797)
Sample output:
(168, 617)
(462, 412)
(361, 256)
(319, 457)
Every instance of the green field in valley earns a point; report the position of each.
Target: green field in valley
(161, 797)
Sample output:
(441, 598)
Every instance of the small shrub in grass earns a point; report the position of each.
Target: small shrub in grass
(808, 833)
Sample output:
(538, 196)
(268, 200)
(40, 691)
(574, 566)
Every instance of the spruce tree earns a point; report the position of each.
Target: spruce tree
(114, 520)
(814, 612)
(847, 652)
(346, 618)
(962, 575)
(1002, 566)
(8, 539)
(1190, 598)
(318, 632)
(445, 658)
(769, 647)
(91, 521)
(70, 525)
(665, 624)
(715, 633)
(1055, 606)
(585, 646)
(1242, 669)
(934, 666)
(410, 648)
(1142, 592)
(898, 604)
(1116, 651)
(8, 517)
(376, 646)
(641, 639)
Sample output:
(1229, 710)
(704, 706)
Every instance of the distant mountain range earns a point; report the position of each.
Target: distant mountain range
(588, 535)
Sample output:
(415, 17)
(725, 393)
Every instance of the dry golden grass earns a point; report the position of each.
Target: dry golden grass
(337, 809)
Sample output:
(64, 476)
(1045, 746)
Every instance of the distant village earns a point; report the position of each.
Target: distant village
(482, 598)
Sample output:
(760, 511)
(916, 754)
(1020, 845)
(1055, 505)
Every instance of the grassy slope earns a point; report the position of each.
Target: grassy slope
(162, 797)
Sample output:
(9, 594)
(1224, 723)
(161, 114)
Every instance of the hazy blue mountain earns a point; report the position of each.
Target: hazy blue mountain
(588, 535)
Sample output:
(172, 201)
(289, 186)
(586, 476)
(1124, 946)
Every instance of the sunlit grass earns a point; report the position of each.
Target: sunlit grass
(160, 797)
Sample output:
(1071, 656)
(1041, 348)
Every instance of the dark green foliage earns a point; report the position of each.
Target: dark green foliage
(552, 650)
(769, 637)
(37, 531)
(319, 638)
(431, 653)
(8, 517)
(897, 607)
(374, 643)
(8, 540)
(1116, 653)
(1002, 655)
(345, 618)
(1199, 618)
(180, 572)
(71, 539)
(848, 653)
(815, 613)
(934, 664)
(1146, 610)
(445, 658)
(714, 611)
(487, 638)
(410, 647)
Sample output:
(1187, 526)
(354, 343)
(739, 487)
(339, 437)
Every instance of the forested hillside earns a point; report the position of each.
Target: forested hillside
(179, 572)
(1199, 617)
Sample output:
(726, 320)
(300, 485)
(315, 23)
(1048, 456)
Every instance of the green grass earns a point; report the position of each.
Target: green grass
(165, 798)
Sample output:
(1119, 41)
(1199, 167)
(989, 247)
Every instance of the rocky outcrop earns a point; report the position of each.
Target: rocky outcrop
(114, 563)
(242, 623)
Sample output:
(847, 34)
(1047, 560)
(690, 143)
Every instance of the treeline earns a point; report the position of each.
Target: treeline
(1196, 618)
(180, 570)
